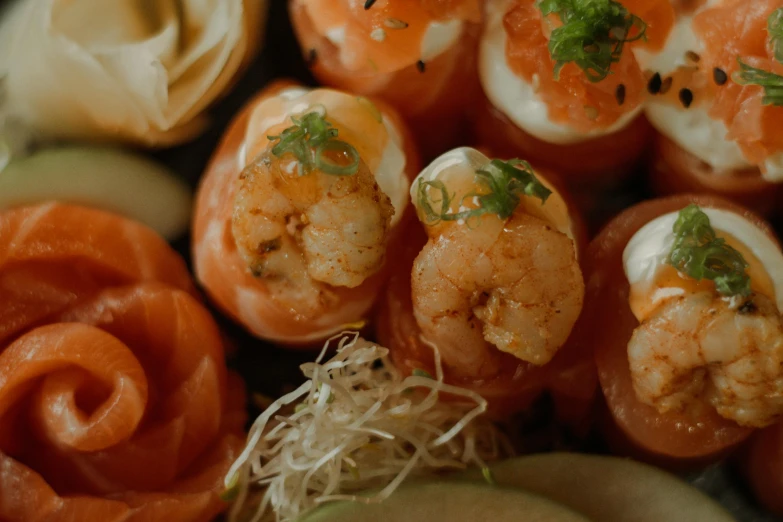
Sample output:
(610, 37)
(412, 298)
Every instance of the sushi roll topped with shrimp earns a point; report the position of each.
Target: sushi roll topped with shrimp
(492, 285)
(417, 55)
(717, 102)
(297, 210)
(686, 307)
(563, 84)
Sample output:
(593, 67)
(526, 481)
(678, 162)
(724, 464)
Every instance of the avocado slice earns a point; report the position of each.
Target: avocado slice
(448, 501)
(106, 178)
(607, 489)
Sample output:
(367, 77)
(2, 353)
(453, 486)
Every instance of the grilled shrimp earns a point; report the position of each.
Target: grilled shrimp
(298, 229)
(508, 281)
(699, 346)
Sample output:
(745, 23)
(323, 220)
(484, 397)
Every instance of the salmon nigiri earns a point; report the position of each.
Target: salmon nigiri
(417, 55)
(716, 102)
(563, 87)
(115, 402)
(298, 208)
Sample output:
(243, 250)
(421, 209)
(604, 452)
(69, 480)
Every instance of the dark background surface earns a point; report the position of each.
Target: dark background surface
(270, 370)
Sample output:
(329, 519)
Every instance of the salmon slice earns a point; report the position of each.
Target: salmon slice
(738, 29)
(573, 99)
(115, 402)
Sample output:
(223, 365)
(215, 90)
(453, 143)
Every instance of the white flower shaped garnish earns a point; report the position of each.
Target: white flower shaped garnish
(123, 70)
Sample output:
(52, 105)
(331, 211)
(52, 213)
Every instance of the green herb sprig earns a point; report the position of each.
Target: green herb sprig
(700, 254)
(311, 139)
(771, 82)
(775, 29)
(593, 34)
(502, 185)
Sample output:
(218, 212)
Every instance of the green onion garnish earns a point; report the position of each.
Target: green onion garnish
(771, 82)
(592, 35)
(775, 29)
(314, 144)
(698, 253)
(502, 185)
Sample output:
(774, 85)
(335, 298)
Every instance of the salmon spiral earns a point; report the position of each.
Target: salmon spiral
(115, 402)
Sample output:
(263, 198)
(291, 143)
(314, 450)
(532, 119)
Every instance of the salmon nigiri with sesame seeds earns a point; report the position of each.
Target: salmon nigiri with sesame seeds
(417, 55)
(562, 85)
(715, 100)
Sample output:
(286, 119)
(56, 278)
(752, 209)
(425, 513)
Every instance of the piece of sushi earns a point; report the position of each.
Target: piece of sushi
(489, 281)
(417, 55)
(115, 401)
(297, 210)
(684, 309)
(716, 103)
(762, 463)
(563, 87)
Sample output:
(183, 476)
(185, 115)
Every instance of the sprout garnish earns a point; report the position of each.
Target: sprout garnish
(502, 183)
(356, 424)
(313, 142)
(771, 82)
(592, 35)
(700, 254)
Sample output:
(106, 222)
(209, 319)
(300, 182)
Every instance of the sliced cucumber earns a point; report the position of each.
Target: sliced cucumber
(104, 178)
(448, 501)
(608, 489)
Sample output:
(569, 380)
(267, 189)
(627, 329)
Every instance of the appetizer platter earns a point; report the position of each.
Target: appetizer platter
(402, 260)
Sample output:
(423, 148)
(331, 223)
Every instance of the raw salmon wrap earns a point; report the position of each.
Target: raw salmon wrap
(417, 55)
(115, 402)
(763, 466)
(298, 209)
(563, 87)
(716, 102)
(489, 284)
(684, 306)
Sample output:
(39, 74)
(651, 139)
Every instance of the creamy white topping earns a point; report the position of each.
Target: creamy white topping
(693, 129)
(517, 98)
(649, 248)
(458, 162)
(438, 38)
(390, 172)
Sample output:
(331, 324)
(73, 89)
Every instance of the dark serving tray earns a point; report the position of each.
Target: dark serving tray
(270, 370)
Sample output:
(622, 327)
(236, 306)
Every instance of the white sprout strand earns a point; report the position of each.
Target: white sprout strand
(357, 424)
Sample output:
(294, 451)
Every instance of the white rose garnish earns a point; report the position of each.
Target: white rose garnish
(123, 70)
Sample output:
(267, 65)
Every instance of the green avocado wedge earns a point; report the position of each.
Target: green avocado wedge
(104, 178)
(607, 489)
(448, 501)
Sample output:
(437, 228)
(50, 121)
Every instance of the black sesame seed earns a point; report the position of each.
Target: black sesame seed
(654, 85)
(368, 4)
(420, 65)
(686, 97)
(619, 94)
(312, 56)
(666, 85)
(720, 76)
